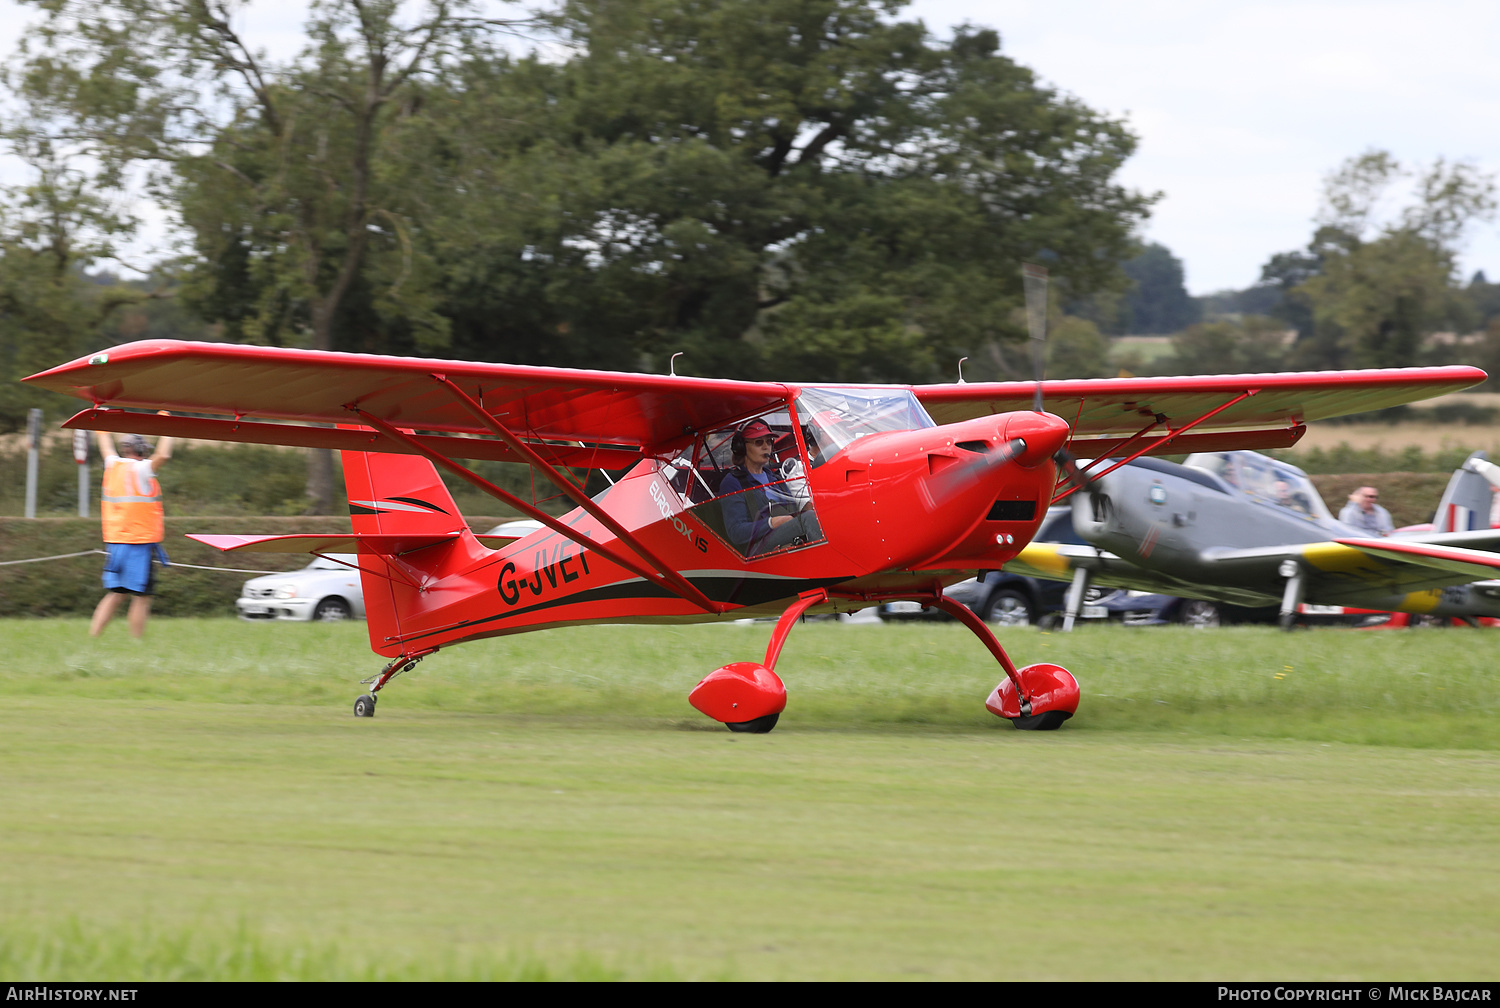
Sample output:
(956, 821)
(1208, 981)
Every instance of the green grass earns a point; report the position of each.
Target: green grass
(1226, 805)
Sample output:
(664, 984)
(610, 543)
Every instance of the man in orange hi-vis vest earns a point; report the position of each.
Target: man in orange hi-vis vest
(133, 527)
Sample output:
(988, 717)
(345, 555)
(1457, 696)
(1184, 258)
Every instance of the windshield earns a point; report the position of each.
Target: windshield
(331, 562)
(1264, 480)
(833, 418)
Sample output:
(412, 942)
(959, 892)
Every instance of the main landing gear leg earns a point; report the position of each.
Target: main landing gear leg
(1076, 591)
(364, 705)
(1035, 698)
(750, 696)
(1291, 597)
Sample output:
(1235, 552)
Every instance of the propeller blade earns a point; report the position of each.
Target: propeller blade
(956, 479)
(1075, 477)
(1034, 279)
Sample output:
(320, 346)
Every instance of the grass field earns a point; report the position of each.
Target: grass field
(1430, 437)
(1236, 804)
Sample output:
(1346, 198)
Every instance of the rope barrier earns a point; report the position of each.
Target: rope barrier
(60, 556)
(232, 570)
(65, 556)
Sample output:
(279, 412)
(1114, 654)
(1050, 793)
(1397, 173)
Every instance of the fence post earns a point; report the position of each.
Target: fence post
(33, 447)
(81, 456)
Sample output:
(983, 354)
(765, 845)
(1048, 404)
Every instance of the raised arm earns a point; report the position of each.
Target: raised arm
(163, 447)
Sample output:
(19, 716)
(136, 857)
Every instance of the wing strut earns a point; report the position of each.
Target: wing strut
(1158, 442)
(1156, 421)
(567, 486)
(668, 580)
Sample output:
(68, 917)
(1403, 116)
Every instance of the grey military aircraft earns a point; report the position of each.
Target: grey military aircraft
(1242, 528)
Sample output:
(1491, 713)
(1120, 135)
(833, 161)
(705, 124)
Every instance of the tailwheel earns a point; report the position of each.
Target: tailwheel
(364, 706)
(1051, 697)
(759, 726)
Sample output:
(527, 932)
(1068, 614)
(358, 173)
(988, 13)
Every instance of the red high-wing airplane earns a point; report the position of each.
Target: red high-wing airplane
(741, 498)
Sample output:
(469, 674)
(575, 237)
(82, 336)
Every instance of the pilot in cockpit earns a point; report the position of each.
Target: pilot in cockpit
(763, 509)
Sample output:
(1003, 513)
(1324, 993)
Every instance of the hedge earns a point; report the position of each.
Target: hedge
(72, 587)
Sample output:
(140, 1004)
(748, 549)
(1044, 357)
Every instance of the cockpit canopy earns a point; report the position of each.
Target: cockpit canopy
(1264, 480)
(833, 417)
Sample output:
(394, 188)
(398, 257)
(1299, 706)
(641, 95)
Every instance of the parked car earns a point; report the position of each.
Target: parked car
(1138, 608)
(1006, 599)
(324, 590)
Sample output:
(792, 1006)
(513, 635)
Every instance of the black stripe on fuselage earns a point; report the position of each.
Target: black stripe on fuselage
(717, 589)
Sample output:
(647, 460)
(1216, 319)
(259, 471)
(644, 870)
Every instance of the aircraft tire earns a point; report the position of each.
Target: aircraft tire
(332, 610)
(759, 726)
(364, 705)
(1046, 721)
(1008, 607)
(1198, 613)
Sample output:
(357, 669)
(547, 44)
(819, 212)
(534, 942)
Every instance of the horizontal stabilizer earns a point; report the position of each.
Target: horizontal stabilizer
(383, 545)
(1471, 562)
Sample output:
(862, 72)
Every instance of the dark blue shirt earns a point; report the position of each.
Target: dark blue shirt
(747, 515)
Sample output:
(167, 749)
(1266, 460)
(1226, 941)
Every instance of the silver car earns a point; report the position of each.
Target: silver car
(323, 590)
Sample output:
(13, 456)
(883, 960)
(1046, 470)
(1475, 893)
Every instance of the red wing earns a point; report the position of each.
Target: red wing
(1120, 406)
(642, 412)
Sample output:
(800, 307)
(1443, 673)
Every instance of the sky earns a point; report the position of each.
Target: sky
(1241, 108)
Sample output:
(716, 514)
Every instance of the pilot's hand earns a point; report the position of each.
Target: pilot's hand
(779, 520)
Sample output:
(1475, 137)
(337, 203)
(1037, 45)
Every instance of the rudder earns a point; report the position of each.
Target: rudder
(1466, 501)
(391, 494)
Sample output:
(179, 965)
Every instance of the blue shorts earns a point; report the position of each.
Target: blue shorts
(128, 568)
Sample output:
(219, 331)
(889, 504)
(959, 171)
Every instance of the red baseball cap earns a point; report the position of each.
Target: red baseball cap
(756, 429)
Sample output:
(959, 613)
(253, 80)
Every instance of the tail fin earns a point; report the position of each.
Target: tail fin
(1466, 501)
(403, 495)
(397, 493)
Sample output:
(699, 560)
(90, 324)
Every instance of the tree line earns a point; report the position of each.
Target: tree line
(1370, 289)
(804, 189)
(811, 190)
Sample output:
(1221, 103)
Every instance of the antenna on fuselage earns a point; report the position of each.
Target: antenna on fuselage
(961, 370)
(672, 364)
(1034, 279)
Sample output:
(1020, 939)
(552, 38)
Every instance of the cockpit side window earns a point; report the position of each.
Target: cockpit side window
(748, 484)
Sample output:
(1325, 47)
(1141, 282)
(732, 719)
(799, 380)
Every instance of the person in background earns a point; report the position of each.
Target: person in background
(1363, 513)
(133, 527)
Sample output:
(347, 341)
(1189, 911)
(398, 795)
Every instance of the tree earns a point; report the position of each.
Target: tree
(791, 188)
(1158, 302)
(1247, 346)
(277, 170)
(1076, 349)
(52, 229)
(1376, 288)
